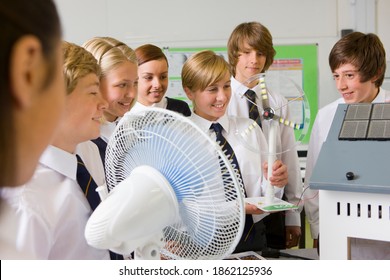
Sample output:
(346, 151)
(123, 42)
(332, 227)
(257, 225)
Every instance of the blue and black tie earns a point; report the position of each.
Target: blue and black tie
(88, 185)
(229, 152)
(252, 107)
(102, 146)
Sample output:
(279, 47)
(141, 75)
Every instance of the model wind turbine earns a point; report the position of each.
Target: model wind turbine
(294, 114)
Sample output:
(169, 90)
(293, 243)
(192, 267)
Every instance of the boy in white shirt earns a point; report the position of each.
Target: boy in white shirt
(358, 64)
(46, 217)
(251, 52)
(206, 81)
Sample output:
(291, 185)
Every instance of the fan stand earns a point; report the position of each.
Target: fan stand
(270, 192)
(150, 250)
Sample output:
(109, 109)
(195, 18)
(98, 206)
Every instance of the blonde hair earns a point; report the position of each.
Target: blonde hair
(203, 69)
(78, 63)
(110, 53)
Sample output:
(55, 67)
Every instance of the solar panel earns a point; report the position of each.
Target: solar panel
(366, 121)
(379, 130)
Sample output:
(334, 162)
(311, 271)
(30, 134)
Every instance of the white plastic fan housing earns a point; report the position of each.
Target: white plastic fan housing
(140, 205)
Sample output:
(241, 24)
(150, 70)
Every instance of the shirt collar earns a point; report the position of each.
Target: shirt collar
(138, 107)
(60, 161)
(107, 129)
(238, 88)
(204, 124)
(162, 104)
(380, 97)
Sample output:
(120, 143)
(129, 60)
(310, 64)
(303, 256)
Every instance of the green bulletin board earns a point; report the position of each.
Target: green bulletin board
(303, 58)
(308, 55)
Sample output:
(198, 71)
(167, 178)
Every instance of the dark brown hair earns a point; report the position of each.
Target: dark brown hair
(149, 52)
(19, 18)
(364, 51)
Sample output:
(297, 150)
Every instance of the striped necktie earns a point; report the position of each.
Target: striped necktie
(229, 152)
(87, 184)
(252, 107)
(102, 146)
(226, 148)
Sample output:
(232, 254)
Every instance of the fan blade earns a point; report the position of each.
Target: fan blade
(267, 108)
(264, 92)
(210, 207)
(286, 122)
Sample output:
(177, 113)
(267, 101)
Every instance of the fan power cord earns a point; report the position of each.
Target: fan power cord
(275, 254)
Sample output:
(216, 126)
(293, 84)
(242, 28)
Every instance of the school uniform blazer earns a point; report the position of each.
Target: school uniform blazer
(179, 106)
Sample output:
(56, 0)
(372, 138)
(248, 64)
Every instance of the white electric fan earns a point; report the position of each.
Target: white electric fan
(173, 192)
(294, 113)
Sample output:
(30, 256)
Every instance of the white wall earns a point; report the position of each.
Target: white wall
(208, 23)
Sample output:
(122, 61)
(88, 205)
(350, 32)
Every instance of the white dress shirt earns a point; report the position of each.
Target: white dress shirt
(285, 141)
(46, 217)
(250, 162)
(107, 129)
(140, 107)
(318, 136)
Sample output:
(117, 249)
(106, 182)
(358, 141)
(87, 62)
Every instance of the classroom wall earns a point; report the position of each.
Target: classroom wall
(208, 23)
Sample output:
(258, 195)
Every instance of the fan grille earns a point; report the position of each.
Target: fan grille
(209, 195)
